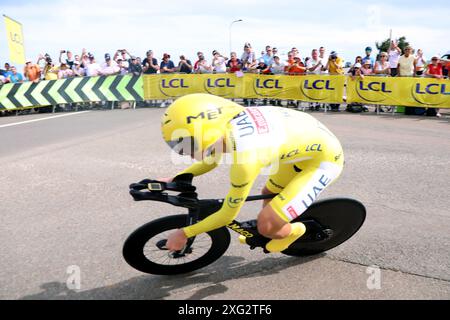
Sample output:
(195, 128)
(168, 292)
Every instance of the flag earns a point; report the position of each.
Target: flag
(15, 40)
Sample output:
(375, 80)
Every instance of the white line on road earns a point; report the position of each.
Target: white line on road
(42, 119)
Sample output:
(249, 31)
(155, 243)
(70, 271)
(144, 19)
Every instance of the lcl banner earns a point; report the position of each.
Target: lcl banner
(420, 92)
(305, 88)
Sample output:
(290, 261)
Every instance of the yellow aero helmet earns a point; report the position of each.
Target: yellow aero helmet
(196, 121)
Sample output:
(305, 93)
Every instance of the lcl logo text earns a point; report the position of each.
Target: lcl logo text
(15, 38)
(318, 85)
(374, 86)
(432, 88)
(173, 83)
(268, 84)
(219, 83)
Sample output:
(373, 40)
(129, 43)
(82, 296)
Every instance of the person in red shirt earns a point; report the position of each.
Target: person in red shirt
(434, 70)
(297, 68)
(234, 64)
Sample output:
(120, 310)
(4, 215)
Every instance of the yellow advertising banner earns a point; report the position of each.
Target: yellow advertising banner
(15, 40)
(421, 92)
(253, 86)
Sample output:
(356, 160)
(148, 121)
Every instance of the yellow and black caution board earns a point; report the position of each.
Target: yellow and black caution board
(85, 89)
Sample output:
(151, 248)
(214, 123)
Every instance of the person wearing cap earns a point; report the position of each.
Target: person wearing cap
(110, 66)
(382, 67)
(135, 67)
(32, 71)
(150, 64)
(219, 62)
(123, 53)
(167, 65)
(93, 69)
(334, 65)
(368, 57)
(78, 70)
(406, 64)
(366, 68)
(201, 65)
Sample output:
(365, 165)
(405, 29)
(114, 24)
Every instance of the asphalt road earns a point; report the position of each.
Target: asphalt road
(64, 202)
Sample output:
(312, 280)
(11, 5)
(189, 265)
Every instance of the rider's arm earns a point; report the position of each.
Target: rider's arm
(202, 167)
(242, 178)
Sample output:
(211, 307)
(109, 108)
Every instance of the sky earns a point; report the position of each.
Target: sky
(185, 27)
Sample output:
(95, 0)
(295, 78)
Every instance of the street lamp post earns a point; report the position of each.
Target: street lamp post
(231, 24)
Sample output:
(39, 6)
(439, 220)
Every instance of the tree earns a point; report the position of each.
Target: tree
(384, 46)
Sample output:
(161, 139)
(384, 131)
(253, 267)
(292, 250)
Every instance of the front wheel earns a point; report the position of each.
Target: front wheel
(340, 219)
(144, 249)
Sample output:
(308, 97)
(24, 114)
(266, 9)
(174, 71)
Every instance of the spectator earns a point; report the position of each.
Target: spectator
(15, 77)
(382, 66)
(314, 64)
(297, 68)
(7, 71)
(78, 71)
(135, 68)
(406, 64)
(268, 56)
(185, 65)
(248, 58)
(64, 71)
(32, 71)
(434, 70)
(150, 63)
(50, 70)
(420, 63)
(278, 67)
(68, 60)
(369, 58)
(262, 67)
(358, 59)
(394, 53)
(295, 51)
(219, 62)
(334, 67)
(201, 65)
(290, 61)
(356, 71)
(84, 59)
(324, 59)
(123, 53)
(366, 68)
(234, 64)
(167, 65)
(110, 67)
(123, 70)
(93, 69)
(274, 52)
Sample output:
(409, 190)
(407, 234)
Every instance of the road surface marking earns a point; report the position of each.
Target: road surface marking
(42, 119)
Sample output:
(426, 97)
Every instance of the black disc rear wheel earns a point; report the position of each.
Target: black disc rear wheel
(144, 248)
(341, 218)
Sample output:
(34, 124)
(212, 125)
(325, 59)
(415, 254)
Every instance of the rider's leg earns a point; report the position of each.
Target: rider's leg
(291, 202)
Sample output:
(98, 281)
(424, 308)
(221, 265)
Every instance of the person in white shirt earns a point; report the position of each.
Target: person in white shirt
(421, 62)
(93, 69)
(406, 63)
(324, 59)
(277, 66)
(394, 54)
(110, 67)
(314, 64)
(219, 62)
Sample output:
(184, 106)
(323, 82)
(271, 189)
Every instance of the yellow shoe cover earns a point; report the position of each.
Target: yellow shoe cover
(277, 245)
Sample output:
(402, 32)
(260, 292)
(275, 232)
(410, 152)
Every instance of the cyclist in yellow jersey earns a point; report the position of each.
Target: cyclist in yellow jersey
(303, 158)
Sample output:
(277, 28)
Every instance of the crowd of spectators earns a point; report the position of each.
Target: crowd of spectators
(393, 63)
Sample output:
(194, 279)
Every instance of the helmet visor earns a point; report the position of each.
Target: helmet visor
(184, 145)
